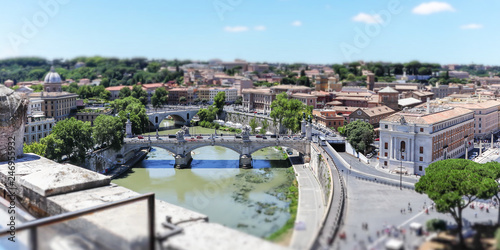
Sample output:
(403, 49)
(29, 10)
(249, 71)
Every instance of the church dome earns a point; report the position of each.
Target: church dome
(52, 77)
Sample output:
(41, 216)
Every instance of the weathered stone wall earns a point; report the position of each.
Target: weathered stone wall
(13, 108)
(321, 171)
(104, 158)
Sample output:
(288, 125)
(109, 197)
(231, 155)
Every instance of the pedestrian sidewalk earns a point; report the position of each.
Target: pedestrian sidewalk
(310, 208)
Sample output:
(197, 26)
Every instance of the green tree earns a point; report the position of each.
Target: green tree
(264, 124)
(138, 117)
(219, 101)
(106, 95)
(36, 74)
(76, 138)
(35, 148)
(159, 98)
(53, 147)
(360, 135)
(351, 77)
(288, 112)
(124, 92)
(140, 94)
(208, 114)
(253, 124)
(448, 182)
(153, 67)
(108, 130)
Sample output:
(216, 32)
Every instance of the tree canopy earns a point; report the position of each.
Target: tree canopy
(159, 98)
(108, 130)
(288, 112)
(359, 134)
(455, 183)
(219, 101)
(75, 136)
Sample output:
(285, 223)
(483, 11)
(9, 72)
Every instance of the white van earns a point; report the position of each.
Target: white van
(394, 244)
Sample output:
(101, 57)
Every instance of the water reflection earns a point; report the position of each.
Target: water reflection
(247, 200)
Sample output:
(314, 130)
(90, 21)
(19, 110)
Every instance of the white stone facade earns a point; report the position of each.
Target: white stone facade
(412, 141)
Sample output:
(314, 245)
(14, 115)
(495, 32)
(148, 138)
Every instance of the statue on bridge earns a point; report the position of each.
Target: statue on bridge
(180, 135)
(185, 129)
(245, 133)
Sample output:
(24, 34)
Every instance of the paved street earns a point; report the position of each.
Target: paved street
(386, 203)
(380, 207)
(311, 208)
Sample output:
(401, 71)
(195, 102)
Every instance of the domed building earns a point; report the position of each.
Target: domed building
(55, 103)
(52, 82)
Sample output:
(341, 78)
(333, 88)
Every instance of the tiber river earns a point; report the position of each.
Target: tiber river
(251, 200)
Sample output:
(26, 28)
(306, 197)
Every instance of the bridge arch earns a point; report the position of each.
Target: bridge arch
(259, 147)
(129, 149)
(197, 146)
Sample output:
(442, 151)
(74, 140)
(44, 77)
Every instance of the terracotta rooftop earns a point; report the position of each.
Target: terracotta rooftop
(472, 106)
(388, 90)
(375, 111)
(419, 116)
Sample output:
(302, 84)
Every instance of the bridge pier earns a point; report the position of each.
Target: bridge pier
(246, 161)
(183, 160)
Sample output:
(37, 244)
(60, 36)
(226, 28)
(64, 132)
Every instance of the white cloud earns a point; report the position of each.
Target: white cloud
(297, 23)
(367, 18)
(260, 28)
(432, 7)
(236, 28)
(472, 26)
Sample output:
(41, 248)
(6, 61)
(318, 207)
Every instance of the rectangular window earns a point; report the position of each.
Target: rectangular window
(385, 163)
(421, 158)
(386, 126)
(420, 168)
(421, 150)
(421, 129)
(386, 145)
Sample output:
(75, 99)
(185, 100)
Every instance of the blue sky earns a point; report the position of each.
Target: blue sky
(319, 31)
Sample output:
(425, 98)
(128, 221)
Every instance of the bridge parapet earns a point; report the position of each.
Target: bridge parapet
(182, 149)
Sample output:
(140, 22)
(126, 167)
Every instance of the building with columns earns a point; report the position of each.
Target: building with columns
(413, 139)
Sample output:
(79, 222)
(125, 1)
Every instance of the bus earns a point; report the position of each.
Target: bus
(322, 141)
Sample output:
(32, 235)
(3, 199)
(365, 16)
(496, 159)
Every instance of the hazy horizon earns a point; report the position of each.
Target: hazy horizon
(287, 31)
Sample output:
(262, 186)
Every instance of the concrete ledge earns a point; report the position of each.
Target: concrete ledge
(48, 178)
(210, 236)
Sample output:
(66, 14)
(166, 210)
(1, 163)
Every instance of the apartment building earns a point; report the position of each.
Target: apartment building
(411, 140)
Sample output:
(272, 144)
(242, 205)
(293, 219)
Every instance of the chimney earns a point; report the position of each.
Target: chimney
(428, 105)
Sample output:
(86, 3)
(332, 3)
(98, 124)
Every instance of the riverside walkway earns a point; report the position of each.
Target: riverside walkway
(311, 208)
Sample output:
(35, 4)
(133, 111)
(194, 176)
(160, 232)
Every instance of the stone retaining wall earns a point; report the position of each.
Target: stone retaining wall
(321, 171)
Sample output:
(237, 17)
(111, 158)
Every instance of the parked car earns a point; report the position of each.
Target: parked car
(237, 136)
(377, 139)
(199, 137)
(140, 137)
(264, 137)
(258, 136)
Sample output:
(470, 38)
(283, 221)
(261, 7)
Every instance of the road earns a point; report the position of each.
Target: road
(361, 170)
(310, 210)
(380, 206)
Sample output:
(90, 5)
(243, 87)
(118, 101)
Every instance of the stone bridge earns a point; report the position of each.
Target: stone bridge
(245, 147)
(181, 115)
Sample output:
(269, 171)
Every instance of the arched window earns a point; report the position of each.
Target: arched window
(403, 146)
